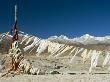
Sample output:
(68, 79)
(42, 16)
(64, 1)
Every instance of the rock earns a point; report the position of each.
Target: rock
(55, 72)
(58, 67)
(34, 71)
(9, 63)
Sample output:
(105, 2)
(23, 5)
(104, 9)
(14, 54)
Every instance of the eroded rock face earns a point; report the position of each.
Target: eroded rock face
(55, 49)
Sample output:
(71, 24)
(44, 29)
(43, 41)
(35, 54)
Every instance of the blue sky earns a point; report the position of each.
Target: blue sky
(45, 18)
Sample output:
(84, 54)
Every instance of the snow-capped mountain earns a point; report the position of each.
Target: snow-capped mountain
(85, 39)
(88, 39)
(86, 47)
(30, 43)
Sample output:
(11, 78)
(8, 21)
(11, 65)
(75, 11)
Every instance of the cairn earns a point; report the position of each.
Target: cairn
(15, 63)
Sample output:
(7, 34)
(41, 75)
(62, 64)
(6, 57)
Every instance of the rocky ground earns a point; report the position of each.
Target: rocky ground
(61, 70)
(58, 78)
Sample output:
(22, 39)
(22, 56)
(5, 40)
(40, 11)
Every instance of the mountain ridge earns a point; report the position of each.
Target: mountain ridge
(30, 43)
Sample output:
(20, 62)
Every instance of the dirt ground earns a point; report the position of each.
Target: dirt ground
(68, 72)
(58, 78)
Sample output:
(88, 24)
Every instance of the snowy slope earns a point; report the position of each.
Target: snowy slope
(85, 39)
(35, 44)
(86, 47)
